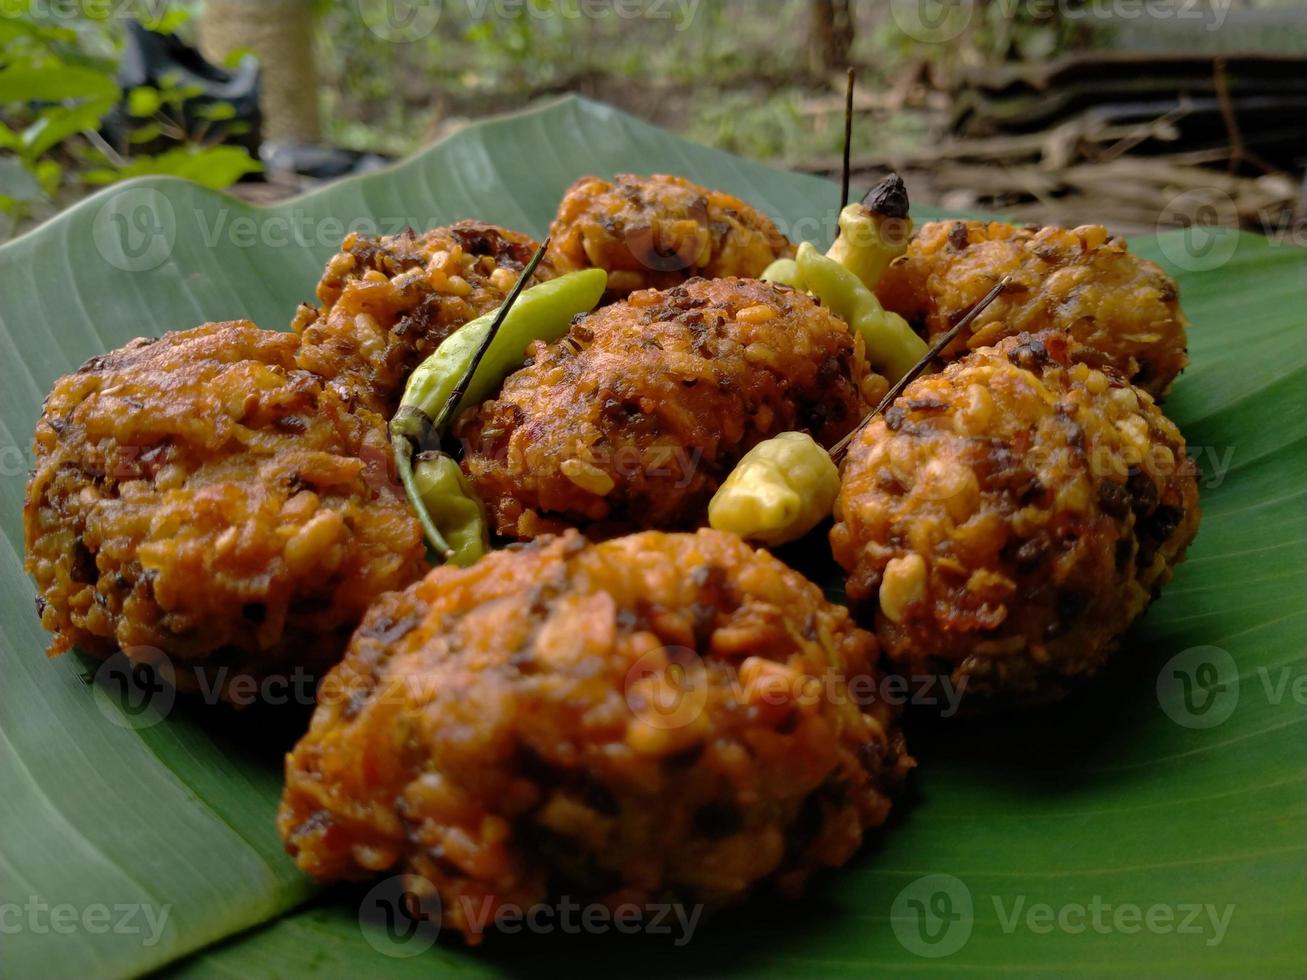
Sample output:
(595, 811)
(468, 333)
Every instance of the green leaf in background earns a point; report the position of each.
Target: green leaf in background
(52, 82)
(209, 166)
(57, 123)
(1144, 827)
(143, 101)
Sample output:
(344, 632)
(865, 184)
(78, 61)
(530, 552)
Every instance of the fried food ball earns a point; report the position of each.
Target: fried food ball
(657, 231)
(661, 716)
(1081, 281)
(388, 302)
(200, 495)
(634, 418)
(1009, 518)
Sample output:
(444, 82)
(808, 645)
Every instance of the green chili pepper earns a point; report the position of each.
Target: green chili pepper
(463, 371)
(453, 507)
(874, 232)
(779, 491)
(783, 272)
(892, 347)
(868, 243)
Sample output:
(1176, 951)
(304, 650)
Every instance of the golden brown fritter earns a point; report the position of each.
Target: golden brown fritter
(1009, 518)
(1081, 281)
(200, 495)
(634, 418)
(657, 231)
(388, 302)
(661, 716)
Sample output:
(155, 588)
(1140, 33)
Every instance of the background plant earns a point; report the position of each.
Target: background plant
(58, 83)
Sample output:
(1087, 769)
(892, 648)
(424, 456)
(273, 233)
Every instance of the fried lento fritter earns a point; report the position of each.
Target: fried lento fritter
(200, 495)
(634, 418)
(1009, 518)
(657, 231)
(658, 717)
(388, 302)
(1080, 281)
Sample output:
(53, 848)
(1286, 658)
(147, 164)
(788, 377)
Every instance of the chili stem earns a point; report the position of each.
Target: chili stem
(946, 338)
(456, 395)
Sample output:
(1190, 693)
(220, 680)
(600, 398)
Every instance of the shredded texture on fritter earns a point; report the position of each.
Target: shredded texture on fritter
(200, 495)
(658, 716)
(653, 232)
(388, 302)
(1007, 519)
(634, 418)
(1080, 281)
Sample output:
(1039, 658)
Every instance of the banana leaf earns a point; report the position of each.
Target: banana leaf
(1155, 823)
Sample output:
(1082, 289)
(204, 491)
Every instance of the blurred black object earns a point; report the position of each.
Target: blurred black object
(152, 59)
(317, 161)
(156, 60)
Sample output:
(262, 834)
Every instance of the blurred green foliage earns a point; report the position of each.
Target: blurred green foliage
(58, 82)
(732, 73)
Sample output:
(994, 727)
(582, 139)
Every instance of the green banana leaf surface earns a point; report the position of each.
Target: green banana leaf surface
(1155, 823)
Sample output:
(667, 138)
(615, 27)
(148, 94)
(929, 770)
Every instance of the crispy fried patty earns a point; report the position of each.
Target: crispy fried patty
(634, 418)
(1006, 520)
(200, 495)
(657, 231)
(388, 302)
(658, 717)
(1081, 281)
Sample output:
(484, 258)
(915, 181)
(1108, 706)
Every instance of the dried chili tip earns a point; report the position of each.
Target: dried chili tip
(888, 198)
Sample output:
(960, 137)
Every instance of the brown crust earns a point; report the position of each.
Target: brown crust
(1006, 520)
(636, 416)
(491, 730)
(200, 495)
(388, 302)
(654, 232)
(1082, 281)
